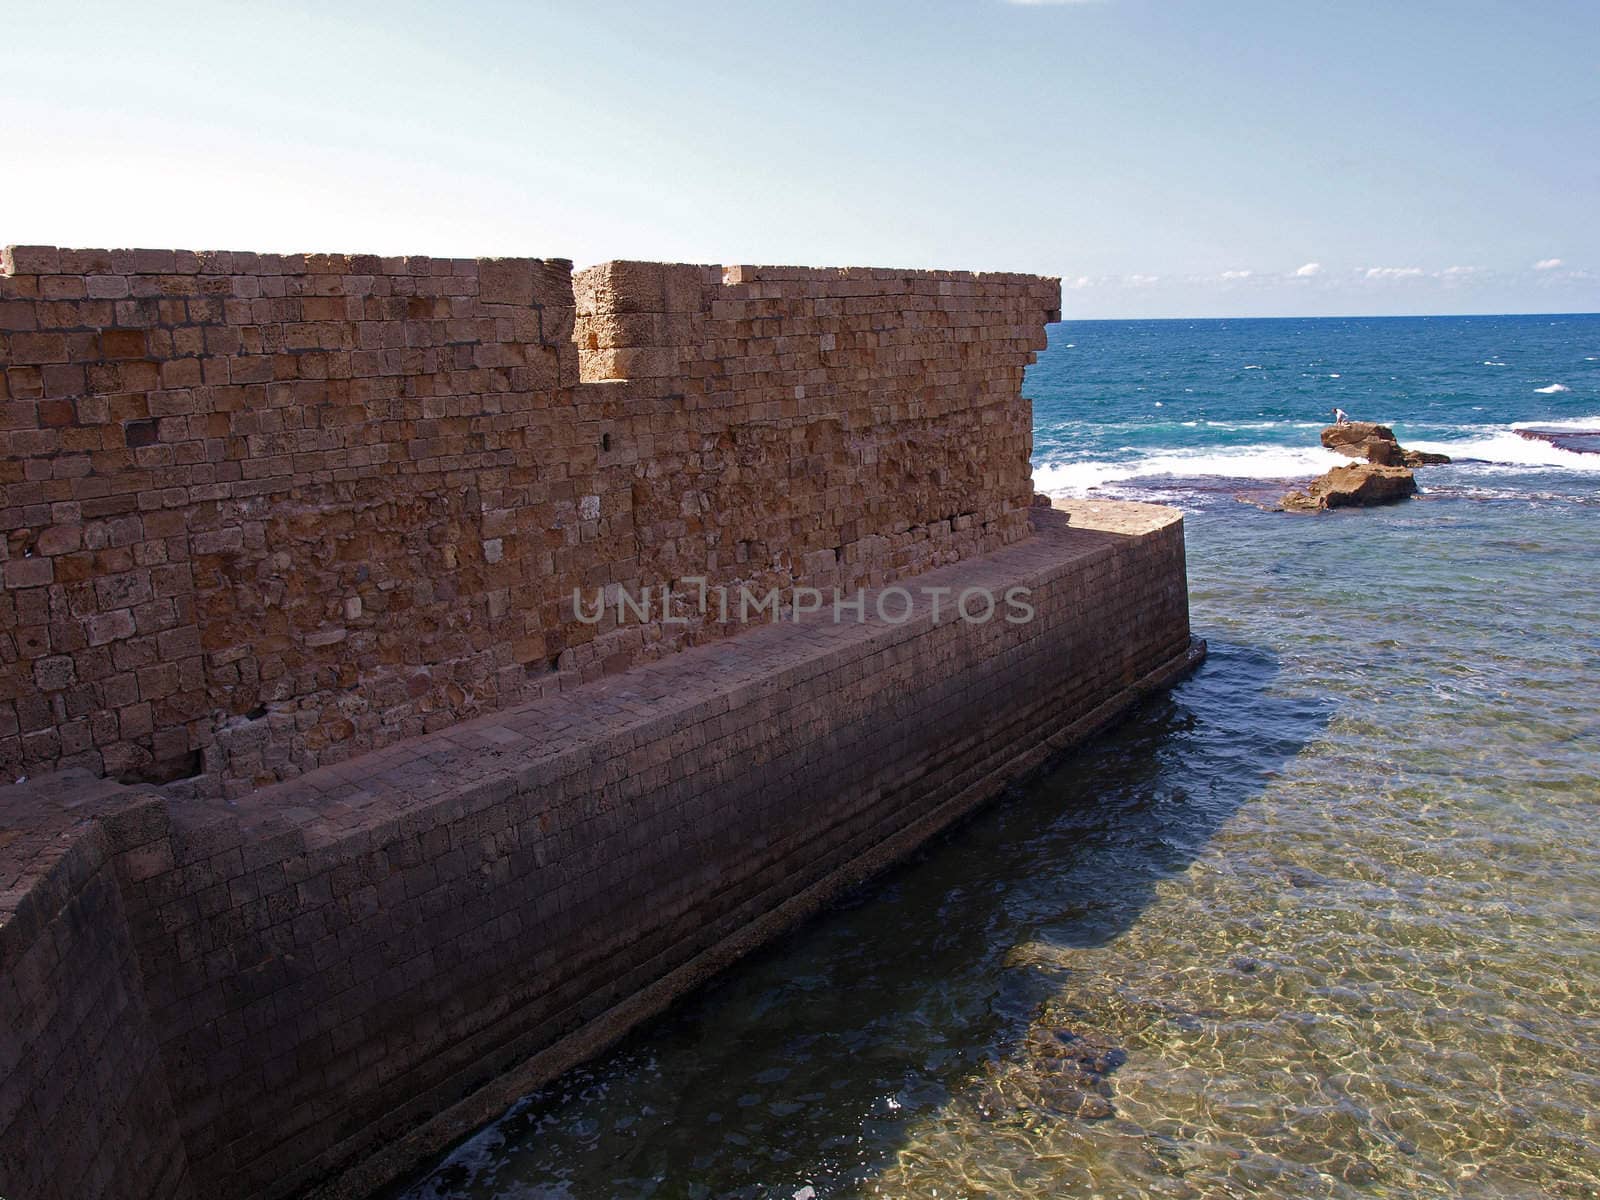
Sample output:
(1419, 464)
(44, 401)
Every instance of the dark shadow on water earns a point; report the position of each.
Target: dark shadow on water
(801, 1066)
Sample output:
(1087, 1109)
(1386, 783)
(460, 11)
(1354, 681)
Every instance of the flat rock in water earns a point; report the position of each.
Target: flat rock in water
(1358, 484)
(1421, 458)
(1579, 441)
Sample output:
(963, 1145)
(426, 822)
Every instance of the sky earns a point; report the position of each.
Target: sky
(1164, 157)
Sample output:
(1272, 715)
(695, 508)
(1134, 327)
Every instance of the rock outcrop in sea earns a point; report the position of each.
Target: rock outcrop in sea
(1377, 444)
(1385, 477)
(1357, 484)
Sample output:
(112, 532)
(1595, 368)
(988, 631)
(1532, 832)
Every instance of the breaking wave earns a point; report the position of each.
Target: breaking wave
(1510, 449)
(1579, 424)
(1472, 447)
(1240, 462)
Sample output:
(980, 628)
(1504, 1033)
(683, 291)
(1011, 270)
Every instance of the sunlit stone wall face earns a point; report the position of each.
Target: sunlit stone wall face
(266, 512)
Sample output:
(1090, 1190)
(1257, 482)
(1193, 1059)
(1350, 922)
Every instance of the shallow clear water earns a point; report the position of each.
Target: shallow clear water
(1324, 921)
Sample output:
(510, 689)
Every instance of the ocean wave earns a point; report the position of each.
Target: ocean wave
(1582, 424)
(1552, 389)
(1495, 448)
(1240, 425)
(1486, 491)
(1047, 429)
(1240, 462)
(1508, 449)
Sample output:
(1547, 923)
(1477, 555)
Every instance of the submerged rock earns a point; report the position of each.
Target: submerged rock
(1358, 484)
(1059, 1072)
(1421, 458)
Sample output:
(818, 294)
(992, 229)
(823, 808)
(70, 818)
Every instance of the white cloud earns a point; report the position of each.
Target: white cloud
(1245, 274)
(1393, 272)
(1547, 264)
(1082, 281)
(1552, 277)
(1459, 272)
(1143, 280)
(1307, 271)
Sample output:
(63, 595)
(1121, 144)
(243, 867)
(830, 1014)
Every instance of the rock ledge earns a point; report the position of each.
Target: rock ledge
(1353, 485)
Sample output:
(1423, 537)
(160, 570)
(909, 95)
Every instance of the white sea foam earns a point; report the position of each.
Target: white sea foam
(1582, 424)
(1239, 462)
(1552, 389)
(1492, 363)
(1495, 448)
(1509, 450)
(1237, 425)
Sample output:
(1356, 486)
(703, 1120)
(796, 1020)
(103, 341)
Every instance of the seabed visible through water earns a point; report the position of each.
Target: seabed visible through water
(1322, 922)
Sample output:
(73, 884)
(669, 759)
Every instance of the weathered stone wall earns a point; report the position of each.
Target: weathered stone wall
(340, 966)
(266, 512)
(310, 527)
(826, 427)
(84, 1108)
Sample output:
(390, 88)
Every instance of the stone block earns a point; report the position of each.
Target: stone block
(506, 280)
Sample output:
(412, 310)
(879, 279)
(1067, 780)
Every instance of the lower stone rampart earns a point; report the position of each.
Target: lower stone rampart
(84, 1109)
(347, 970)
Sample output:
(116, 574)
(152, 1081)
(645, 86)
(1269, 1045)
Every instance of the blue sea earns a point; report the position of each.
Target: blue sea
(1169, 408)
(1324, 921)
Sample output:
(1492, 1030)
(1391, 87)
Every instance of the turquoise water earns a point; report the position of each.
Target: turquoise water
(1324, 921)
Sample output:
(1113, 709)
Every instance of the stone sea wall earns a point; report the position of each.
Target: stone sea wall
(265, 512)
(344, 825)
(341, 970)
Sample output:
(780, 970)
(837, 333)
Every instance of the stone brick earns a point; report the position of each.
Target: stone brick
(54, 672)
(107, 287)
(505, 280)
(122, 343)
(108, 627)
(29, 572)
